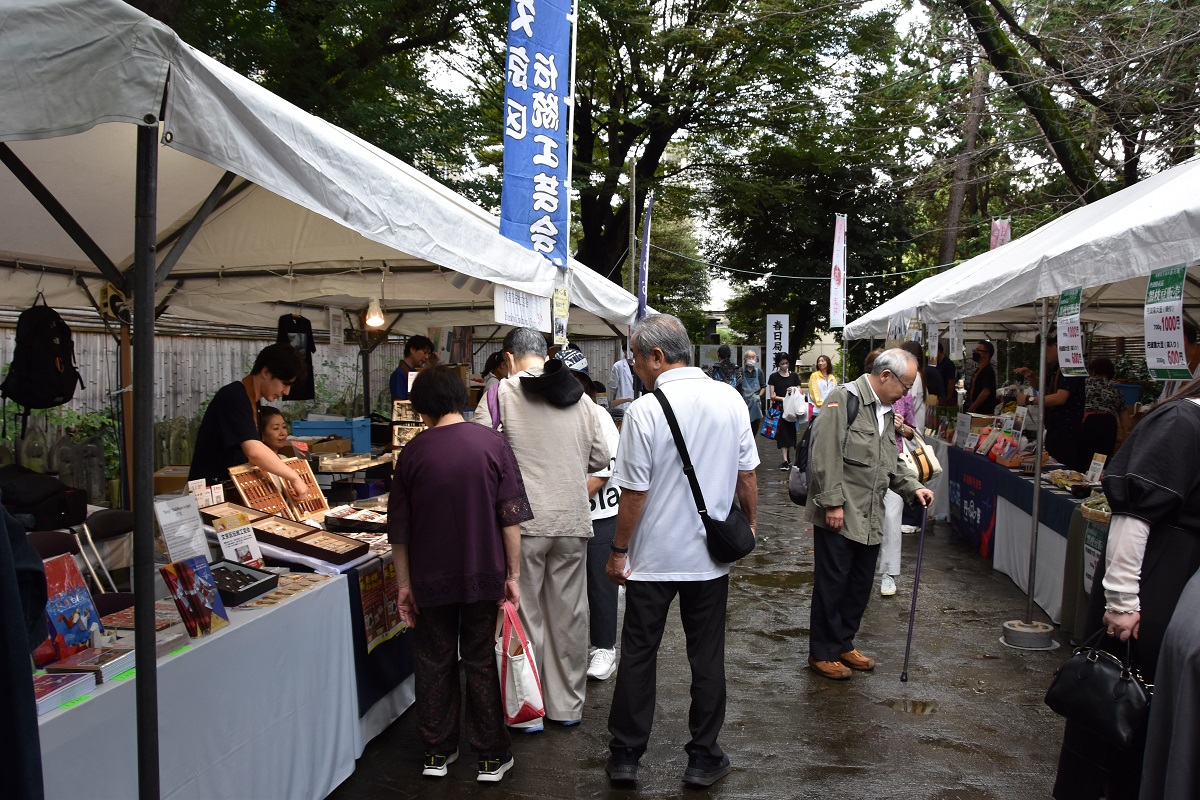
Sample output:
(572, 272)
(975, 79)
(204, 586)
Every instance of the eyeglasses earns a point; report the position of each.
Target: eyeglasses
(981, 351)
(906, 388)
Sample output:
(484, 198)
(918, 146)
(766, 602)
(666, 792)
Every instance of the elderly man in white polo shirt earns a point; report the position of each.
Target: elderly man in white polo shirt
(659, 548)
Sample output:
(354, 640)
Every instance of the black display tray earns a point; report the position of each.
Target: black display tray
(230, 596)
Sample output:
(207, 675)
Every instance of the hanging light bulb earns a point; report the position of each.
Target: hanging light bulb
(374, 314)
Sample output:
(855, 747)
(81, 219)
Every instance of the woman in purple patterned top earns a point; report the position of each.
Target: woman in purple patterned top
(454, 517)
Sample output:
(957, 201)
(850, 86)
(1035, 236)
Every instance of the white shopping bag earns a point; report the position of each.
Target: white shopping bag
(520, 686)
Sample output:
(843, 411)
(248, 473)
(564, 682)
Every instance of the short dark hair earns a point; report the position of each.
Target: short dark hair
(284, 362)
(417, 342)
(438, 391)
(493, 361)
(723, 351)
(1102, 366)
(991, 351)
(265, 413)
(869, 361)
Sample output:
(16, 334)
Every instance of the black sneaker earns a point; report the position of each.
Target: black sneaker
(785, 466)
(705, 770)
(492, 768)
(436, 764)
(622, 766)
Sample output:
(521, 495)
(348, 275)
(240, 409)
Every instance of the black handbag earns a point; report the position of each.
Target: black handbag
(1102, 693)
(728, 539)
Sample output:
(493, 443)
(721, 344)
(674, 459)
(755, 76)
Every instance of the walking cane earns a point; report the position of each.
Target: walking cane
(912, 613)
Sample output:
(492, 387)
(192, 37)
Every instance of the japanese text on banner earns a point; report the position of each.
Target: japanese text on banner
(1070, 334)
(837, 279)
(1165, 356)
(534, 200)
(777, 338)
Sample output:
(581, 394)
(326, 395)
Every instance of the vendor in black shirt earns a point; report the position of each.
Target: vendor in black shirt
(1064, 402)
(228, 433)
(982, 398)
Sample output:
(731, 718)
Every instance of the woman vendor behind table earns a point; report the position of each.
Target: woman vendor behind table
(454, 517)
(821, 382)
(273, 429)
(1153, 487)
(229, 435)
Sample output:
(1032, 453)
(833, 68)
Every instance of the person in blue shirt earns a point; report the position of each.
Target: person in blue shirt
(418, 350)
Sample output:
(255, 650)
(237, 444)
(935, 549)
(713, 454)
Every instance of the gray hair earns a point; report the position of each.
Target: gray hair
(749, 351)
(896, 361)
(523, 342)
(664, 332)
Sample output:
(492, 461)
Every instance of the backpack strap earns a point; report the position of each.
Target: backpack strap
(688, 469)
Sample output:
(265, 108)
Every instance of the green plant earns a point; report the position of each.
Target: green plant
(78, 426)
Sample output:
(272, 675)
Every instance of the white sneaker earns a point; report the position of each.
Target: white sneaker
(602, 664)
(910, 528)
(887, 587)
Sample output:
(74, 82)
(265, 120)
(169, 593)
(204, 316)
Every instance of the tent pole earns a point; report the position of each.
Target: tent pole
(1037, 464)
(142, 457)
(366, 370)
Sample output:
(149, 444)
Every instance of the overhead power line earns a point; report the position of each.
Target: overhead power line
(796, 277)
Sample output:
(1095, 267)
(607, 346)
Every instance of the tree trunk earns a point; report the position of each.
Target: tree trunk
(962, 166)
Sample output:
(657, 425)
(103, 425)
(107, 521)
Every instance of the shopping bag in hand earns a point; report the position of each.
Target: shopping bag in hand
(520, 686)
(771, 423)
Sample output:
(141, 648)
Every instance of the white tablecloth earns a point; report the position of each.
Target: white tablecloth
(265, 708)
(1010, 555)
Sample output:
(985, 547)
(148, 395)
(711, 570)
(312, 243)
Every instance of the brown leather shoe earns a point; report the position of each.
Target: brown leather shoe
(834, 670)
(856, 660)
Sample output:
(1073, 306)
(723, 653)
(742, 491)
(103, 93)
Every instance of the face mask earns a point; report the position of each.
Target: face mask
(750, 365)
(975, 356)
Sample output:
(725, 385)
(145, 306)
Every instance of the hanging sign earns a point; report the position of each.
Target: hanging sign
(561, 306)
(931, 340)
(837, 279)
(1165, 355)
(1070, 334)
(956, 340)
(534, 199)
(521, 309)
(777, 338)
(1001, 233)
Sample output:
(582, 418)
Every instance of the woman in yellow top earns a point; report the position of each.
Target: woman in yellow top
(822, 382)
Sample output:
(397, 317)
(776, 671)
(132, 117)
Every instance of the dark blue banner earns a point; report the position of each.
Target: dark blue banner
(534, 200)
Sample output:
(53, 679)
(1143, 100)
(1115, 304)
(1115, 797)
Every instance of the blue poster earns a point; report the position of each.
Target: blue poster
(973, 499)
(534, 200)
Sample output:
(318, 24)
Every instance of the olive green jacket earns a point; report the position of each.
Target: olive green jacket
(854, 468)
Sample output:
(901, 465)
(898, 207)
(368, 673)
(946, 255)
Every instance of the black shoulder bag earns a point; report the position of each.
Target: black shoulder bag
(728, 539)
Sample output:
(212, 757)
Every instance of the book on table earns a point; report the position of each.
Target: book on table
(53, 689)
(194, 591)
(103, 662)
(165, 615)
(69, 610)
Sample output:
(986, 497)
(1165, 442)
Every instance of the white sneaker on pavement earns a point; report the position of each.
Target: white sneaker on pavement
(887, 586)
(602, 664)
(910, 528)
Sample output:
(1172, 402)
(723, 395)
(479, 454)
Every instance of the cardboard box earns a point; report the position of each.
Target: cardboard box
(357, 430)
(327, 444)
(169, 480)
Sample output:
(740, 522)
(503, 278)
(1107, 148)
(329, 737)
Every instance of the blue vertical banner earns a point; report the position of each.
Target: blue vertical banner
(644, 261)
(534, 201)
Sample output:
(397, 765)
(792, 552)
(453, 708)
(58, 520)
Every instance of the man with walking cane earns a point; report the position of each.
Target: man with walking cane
(852, 463)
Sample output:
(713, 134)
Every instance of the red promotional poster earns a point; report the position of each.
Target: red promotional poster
(374, 605)
(69, 609)
(390, 591)
(195, 593)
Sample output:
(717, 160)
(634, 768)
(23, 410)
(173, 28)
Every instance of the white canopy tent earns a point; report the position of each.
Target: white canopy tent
(1108, 247)
(306, 213)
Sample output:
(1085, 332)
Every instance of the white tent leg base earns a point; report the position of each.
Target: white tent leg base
(1028, 635)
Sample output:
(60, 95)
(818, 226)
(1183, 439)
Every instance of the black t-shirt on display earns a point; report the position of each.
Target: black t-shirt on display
(297, 331)
(228, 421)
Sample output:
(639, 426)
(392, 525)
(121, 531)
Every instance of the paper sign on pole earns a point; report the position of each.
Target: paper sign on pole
(561, 308)
(521, 309)
(956, 340)
(1165, 355)
(1070, 334)
(931, 340)
(777, 338)
(837, 282)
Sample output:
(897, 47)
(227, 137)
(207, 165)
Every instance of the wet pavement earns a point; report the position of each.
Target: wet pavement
(969, 724)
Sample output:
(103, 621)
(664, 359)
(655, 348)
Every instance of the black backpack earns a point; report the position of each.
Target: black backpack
(798, 477)
(42, 374)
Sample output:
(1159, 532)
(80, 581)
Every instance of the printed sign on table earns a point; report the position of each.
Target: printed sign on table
(1165, 355)
(1070, 334)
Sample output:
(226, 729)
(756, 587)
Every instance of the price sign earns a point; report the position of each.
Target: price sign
(962, 430)
(1070, 334)
(1164, 325)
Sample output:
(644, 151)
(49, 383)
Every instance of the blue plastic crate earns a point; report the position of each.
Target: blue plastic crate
(1132, 392)
(356, 429)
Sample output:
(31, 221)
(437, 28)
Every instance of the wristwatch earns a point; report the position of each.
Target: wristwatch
(618, 550)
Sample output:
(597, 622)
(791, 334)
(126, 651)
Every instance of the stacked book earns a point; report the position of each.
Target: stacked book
(52, 691)
(103, 662)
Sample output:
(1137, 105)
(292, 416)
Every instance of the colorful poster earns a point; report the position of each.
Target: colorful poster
(392, 604)
(69, 607)
(837, 277)
(1165, 356)
(195, 594)
(535, 198)
(374, 604)
(1070, 334)
(778, 331)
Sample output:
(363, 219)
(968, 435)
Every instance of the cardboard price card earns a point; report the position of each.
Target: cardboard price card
(1070, 334)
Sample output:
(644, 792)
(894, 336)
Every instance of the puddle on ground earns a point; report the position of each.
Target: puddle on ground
(922, 707)
(782, 635)
(776, 580)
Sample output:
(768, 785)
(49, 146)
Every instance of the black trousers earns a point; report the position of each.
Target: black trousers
(443, 635)
(702, 611)
(843, 576)
(601, 592)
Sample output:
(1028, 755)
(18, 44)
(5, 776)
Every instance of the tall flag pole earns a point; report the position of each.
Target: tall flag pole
(837, 282)
(534, 199)
(644, 266)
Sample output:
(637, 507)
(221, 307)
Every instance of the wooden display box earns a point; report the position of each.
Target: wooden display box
(403, 433)
(307, 540)
(259, 491)
(402, 411)
(256, 582)
(215, 512)
(314, 506)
